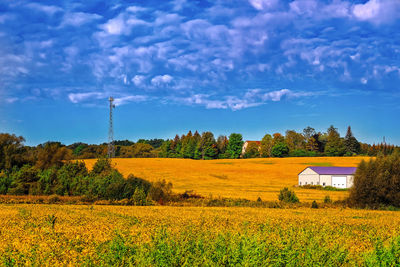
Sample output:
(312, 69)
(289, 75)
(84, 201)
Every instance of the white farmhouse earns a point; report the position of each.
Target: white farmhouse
(340, 177)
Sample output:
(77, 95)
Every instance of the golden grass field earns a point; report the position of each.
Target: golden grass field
(29, 238)
(236, 178)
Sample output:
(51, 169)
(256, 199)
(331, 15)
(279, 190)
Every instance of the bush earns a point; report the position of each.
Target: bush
(288, 196)
(327, 199)
(139, 197)
(160, 191)
(314, 205)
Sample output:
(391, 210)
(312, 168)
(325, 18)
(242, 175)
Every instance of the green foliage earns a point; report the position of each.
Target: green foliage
(327, 200)
(302, 153)
(5, 183)
(280, 150)
(294, 140)
(24, 180)
(314, 205)
(384, 256)
(11, 151)
(227, 248)
(377, 182)
(287, 196)
(160, 191)
(334, 145)
(142, 150)
(51, 154)
(102, 166)
(207, 147)
(352, 146)
(139, 197)
(235, 145)
(266, 146)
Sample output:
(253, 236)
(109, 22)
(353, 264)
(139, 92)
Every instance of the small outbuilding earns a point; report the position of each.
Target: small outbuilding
(339, 177)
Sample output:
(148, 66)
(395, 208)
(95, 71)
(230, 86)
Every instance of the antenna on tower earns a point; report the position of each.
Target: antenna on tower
(111, 149)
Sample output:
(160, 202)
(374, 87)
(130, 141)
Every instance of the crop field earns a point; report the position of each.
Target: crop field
(236, 178)
(190, 236)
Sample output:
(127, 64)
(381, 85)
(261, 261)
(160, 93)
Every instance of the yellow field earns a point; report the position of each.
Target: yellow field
(237, 178)
(29, 237)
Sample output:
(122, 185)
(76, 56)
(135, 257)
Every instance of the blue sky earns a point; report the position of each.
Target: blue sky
(253, 67)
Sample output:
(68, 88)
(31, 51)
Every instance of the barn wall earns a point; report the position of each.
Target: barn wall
(350, 181)
(308, 171)
(327, 179)
(308, 179)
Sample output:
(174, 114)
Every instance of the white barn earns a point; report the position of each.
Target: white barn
(340, 177)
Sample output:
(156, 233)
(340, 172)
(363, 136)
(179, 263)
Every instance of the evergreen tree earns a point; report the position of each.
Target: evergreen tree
(207, 147)
(188, 146)
(351, 144)
(334, 145)
(235, 145)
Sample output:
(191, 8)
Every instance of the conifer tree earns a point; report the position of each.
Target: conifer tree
(351, 144)
(235, 145)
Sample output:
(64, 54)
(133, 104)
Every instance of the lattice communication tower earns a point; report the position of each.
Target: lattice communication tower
(111, 148)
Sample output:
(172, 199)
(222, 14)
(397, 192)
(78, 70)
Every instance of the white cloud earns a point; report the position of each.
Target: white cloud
(138, 80)
(367, 11)
(122, 24)
(127, 99)
(377, 11)
(80, 97)
(11, 100)
(161, 79)
(50, 10)
(364, 80)
(263, 4)
(252, 98)
(79, 18)
(135, 9)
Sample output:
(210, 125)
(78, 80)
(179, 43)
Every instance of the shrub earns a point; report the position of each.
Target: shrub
(54, 199)
(327, 199)
(314, 205)
(288, 196)
(139, 197)
(160, 191)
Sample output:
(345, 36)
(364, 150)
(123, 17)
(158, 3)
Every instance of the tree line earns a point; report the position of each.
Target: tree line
(309, 142)
(47, 170)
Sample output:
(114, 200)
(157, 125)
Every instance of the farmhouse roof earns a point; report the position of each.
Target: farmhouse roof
(257, 142)
(333, 170)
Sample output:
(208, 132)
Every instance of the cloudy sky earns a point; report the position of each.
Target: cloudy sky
(253, 67)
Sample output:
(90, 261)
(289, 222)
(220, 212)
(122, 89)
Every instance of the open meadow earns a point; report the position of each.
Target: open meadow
(192, 236)
(235, 178)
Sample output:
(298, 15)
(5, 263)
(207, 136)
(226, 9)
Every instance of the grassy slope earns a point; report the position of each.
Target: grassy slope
(244, 178)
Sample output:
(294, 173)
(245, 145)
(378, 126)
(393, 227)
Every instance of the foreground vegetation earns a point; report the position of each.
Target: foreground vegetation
(190, 236)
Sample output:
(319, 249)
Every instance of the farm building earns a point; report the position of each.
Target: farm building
(247, 143)
(340, 177)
